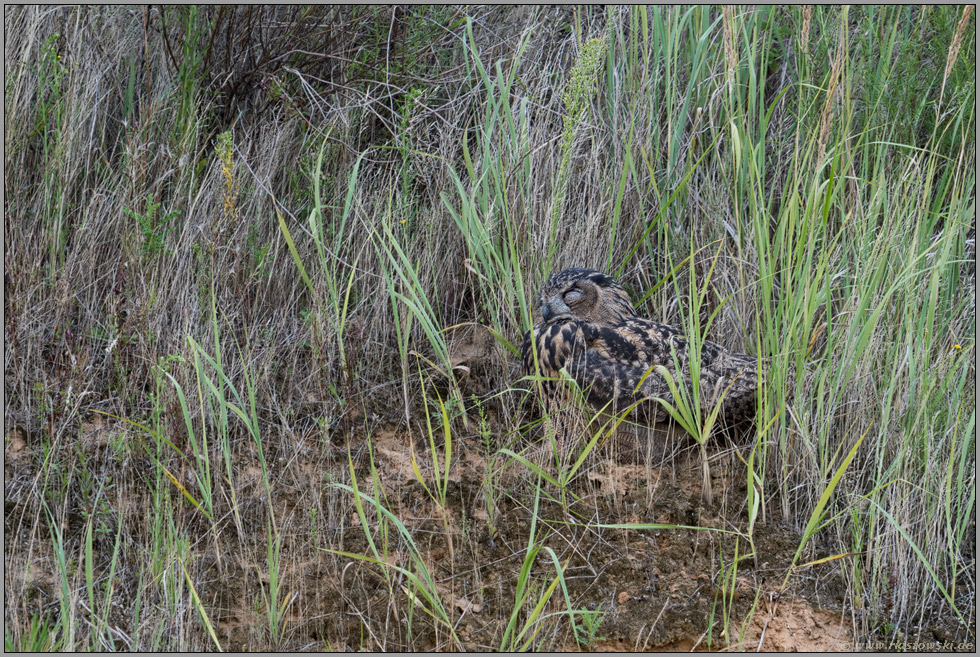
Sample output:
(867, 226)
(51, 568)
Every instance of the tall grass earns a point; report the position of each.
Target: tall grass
(240, 228)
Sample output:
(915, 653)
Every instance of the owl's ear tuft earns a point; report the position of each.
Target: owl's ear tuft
(602, 280)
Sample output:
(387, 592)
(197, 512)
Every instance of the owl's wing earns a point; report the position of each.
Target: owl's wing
(618, 384)
(620, 364)
(731, 378)
(617, 365)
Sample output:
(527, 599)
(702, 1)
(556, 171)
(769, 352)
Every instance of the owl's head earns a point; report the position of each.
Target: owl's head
(584, 295)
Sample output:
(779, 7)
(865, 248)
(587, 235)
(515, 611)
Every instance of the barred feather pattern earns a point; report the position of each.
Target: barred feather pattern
(586, 324)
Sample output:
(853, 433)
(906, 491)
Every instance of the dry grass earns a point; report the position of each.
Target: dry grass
(241, 242)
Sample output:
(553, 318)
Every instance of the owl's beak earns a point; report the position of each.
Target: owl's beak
(554, 309)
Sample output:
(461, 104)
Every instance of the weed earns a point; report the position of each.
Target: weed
(153, 229)
(40, 637)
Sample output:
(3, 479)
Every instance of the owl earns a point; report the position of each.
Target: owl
(585, 323)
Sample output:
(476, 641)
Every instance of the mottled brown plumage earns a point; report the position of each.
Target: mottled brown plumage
(586, 324)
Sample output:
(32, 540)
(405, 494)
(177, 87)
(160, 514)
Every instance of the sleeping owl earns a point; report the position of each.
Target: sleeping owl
(585, 323)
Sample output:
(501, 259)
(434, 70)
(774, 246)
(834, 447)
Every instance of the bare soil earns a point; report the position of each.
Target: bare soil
(657, 589)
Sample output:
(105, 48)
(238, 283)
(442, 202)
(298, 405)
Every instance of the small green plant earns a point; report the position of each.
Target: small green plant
(531, 596)
(99, 613)
(419, 585)
(453, 408)
(202, 254)
(440, 473)
(587, 623)
(119, 445)
(95, 506)
(408, 204)
(696, 410)
(275, 603)
(725, 594)
(41, 401)
(153, 229)
(64, 572)
(41, 636)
